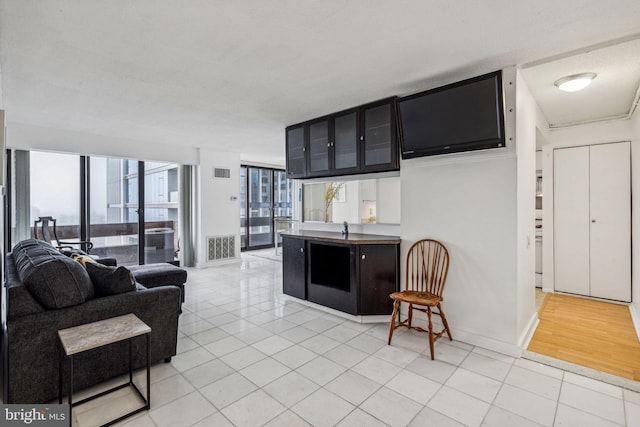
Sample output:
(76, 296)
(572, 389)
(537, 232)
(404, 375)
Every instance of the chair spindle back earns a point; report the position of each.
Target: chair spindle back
(427, 267)
(47, 229)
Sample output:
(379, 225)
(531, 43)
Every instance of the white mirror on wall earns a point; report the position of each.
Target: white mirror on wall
(368, 201)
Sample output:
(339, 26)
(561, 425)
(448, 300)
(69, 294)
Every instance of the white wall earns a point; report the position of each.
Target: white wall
(388, 196)
(28, 137)
(1, 96)
(528, 118)
(470, 206)
(217, 213)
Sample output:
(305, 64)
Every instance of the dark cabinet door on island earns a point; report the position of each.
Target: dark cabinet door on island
(379, 271)
(294, 265)
(331, 276)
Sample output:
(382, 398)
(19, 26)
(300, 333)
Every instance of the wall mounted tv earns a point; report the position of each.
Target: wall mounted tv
(463, 116)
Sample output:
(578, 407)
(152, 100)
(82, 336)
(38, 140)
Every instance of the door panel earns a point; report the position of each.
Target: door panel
(260, 218)
(378, 278)
(113, 219)
(294, 268)
(160, 212)
(571, 220)
(610, 226)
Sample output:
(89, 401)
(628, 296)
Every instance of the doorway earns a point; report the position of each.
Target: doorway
(606, 322)
(265, 195)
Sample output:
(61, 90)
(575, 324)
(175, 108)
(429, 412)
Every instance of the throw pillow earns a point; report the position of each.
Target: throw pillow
(82, 259)
(110, 280)
(59, 283)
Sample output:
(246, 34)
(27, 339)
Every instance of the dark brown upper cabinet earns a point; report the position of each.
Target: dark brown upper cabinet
(358, 140)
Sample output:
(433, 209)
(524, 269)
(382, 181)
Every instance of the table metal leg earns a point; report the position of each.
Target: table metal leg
(148, 374)
(70, 388)
(130, 363)
(60, 367)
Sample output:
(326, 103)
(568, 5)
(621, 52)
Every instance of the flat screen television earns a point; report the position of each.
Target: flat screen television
(463, 116)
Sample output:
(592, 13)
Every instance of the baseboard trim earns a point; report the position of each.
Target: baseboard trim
(487, 343)
(635, 318)
(527, 335)
(473, 338)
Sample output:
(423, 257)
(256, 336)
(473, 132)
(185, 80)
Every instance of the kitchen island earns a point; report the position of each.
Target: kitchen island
(353, 273)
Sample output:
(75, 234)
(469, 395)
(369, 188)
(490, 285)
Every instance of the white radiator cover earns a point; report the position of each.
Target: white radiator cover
(221, 247)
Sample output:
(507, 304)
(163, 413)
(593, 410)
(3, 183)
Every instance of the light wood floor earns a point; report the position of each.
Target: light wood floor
(595, 334)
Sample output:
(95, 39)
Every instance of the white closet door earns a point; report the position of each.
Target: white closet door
(610, 231)
(571, 219)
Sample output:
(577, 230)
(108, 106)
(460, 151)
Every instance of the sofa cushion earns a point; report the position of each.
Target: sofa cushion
(32, 252)
(59, 282)
(110, 280)
(159, 274)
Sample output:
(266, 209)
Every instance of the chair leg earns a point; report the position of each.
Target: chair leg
(392, 326)
(444, 322)
(430, 332)
(410, 314)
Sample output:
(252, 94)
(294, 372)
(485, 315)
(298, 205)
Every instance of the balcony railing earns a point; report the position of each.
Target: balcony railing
(120, 240)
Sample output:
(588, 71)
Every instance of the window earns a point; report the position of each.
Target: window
(55, 191)
(108, 212)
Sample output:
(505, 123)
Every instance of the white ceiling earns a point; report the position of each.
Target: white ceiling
(611, 94)
(232, 74)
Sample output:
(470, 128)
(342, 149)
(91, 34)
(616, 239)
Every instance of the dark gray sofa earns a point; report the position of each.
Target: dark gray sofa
(30, 339)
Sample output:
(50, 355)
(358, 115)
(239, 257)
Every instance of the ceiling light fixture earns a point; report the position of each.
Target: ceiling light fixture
(575, 82)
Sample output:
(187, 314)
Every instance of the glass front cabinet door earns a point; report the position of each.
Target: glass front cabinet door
(296, 152)
(378, 137)
(345, 143)
(319, 148)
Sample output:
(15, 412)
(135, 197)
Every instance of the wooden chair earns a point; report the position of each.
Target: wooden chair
(426, 274)
(48, 232)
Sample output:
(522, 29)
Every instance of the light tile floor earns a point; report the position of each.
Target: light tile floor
(250, 356)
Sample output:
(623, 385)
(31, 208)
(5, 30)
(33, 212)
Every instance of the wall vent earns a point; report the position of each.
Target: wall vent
(221, 247)
(221, 173)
